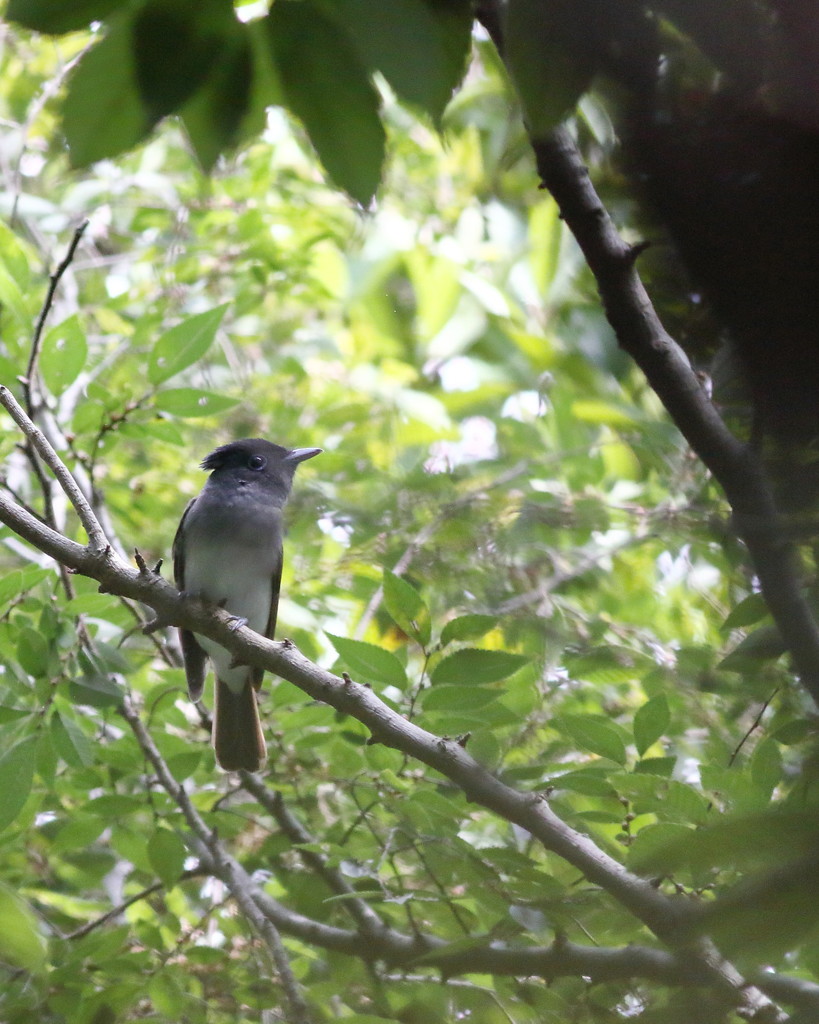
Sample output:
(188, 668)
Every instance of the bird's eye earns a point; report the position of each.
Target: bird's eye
(257, 462)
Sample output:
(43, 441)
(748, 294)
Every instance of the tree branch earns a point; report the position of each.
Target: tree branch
(220, 863)
(37, 439)
(368, 921)
(639, 331)
(664, 915)
(53, 283)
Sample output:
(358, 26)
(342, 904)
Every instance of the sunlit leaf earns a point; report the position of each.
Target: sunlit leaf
(406, 607)
(182, 345)
(21, 941)
(16, 775)
(191, 402)
(650, 722)
(595, 735)
(167, 855)
(475, 666)
(467, 627)
(63, 355)
(370, 663)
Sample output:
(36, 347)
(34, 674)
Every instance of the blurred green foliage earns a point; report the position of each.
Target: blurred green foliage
(504, 536)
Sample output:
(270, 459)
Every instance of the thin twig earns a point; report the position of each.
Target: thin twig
(115, 912)
(36, 341)
(96, 536)
(754, 725)
(428, 530)
(365, 917)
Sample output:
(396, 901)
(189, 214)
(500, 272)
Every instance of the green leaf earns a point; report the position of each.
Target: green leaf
(213, 116)
(21, 942)
(407, 43)
(609, 664)
(167, 854)
(597, 411)
(33, 651)
(770, 838)
(71, 743)
(368, 662)
(77, 833)
(662, 766)
(458, 698)
(545, 55)
(13, 299)
(406, 607)
(97, 690)
(595, 735)
(176, 44)
(327, 88)
(650, 722)
(58, 16)
(183, 345)
(766, 765)
(764, 644)
(651, 843)
(16, 776)
(166, 996)
(20, 580)
(473, 666)
(93, 604)
(467, 627)
(114, 805)
(734, 788)
(63, 355)
(102, 113)
(190, 402)
(794, 731)
(455, 19)
(683, 803)
(748, 612)
(589, 781)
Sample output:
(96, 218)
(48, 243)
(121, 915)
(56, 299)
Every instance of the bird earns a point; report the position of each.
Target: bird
(228, 551)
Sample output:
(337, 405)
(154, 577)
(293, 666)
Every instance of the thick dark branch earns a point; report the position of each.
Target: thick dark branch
(640, 332)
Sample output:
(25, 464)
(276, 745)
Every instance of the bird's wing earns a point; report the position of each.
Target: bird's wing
(193, 655)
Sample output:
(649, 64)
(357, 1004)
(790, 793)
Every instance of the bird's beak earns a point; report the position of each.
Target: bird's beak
(302, 454)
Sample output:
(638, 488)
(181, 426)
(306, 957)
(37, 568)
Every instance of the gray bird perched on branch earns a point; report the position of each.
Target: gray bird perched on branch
(228, 550)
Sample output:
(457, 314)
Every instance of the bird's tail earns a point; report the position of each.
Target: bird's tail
(237, 730)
